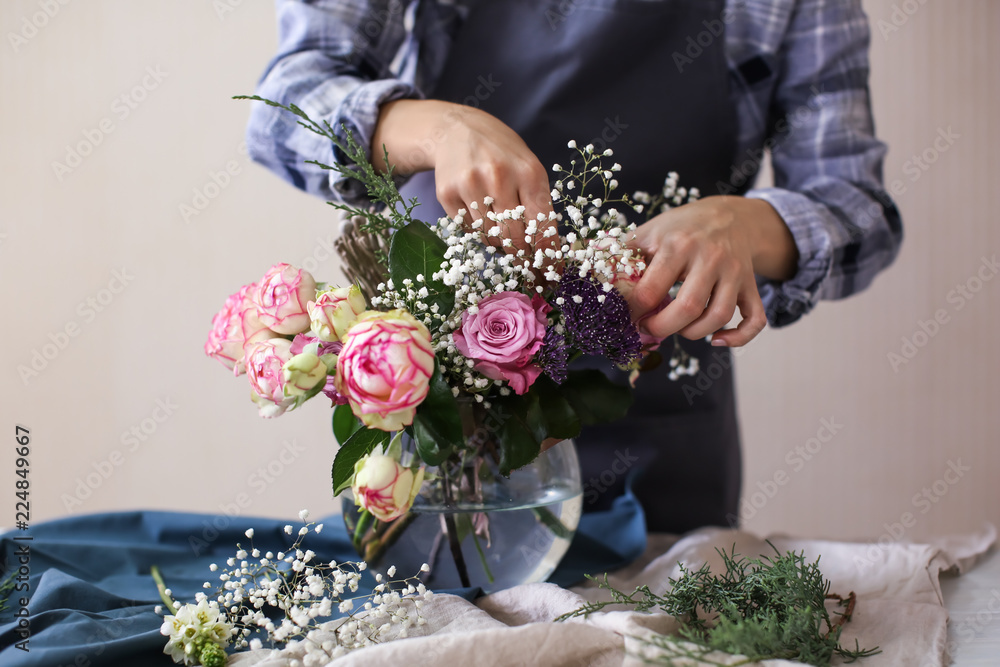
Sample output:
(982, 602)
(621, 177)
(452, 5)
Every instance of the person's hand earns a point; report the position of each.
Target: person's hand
(473, 155)
(715, 246)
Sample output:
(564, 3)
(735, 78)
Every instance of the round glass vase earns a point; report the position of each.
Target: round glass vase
(475, 527)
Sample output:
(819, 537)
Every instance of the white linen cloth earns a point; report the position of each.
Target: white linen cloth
(899, 608)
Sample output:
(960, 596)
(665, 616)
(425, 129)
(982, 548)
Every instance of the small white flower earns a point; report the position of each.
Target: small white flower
(249, 533)
(571, 144)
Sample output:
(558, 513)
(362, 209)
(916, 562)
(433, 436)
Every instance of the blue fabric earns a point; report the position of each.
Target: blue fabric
(92, 596)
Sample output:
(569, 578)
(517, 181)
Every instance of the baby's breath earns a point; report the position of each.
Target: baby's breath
(306, 593)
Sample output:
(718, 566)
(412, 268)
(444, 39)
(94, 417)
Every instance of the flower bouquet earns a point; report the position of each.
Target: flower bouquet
(448, 363)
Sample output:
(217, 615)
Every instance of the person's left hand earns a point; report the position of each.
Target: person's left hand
(715, 246)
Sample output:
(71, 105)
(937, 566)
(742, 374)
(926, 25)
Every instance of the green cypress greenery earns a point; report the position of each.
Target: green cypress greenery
(760, 608)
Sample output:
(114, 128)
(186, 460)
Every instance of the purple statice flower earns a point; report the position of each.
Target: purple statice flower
(600, 327)
(554, 355)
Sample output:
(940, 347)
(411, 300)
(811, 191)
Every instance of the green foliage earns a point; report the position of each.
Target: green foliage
(7, 590)
(518, 443)
(345, 424)
(381, 188)
(595, 398)
(761, 608)
(358, 446)
(437, 427)
(550, 414)
(415, 251)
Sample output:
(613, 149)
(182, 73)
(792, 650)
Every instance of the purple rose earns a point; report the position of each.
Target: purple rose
(503, 337)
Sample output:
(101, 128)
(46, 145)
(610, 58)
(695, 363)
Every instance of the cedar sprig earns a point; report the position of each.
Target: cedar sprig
(381, 187)
(761, 608)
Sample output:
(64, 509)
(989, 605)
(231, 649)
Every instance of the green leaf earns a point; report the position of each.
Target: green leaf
(519, 444)
(594, 397)
(437, 427)
(557, 417)
(416, 250)
(345, 424)
(353, 450)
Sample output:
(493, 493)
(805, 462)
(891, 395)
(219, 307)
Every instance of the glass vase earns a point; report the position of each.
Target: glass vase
(476, 527)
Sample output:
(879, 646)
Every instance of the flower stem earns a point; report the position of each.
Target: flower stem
(161, 587)
(376, 547)
(364, 519)
(456, 550)
(482, 557)
(552, 522)
(452, 530)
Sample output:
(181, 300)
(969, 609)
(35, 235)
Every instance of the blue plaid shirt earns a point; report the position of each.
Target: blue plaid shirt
(799, 81)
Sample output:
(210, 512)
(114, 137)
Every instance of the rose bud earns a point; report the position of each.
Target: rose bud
(334, 311)
(384, 487)
(302, 373)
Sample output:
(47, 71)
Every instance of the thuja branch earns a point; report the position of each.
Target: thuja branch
(763, 608)
(381, 187)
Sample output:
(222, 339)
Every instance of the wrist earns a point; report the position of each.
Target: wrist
(773, 250)
(410, 131)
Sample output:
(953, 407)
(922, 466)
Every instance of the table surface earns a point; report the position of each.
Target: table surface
(973, 601)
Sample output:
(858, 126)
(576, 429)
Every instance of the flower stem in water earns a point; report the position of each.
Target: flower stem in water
(482, 557)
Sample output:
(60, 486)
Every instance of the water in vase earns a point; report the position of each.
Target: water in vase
(501, 545)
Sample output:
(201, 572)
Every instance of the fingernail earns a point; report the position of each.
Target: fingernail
(718, 342)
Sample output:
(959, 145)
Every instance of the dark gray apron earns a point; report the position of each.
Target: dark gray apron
(604, 72)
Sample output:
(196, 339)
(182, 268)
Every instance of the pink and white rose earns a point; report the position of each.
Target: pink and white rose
(281, 297)
(265, 361)
(225, 340)
(384, 487)
(503, 336)
(334, 311)
(384, 368)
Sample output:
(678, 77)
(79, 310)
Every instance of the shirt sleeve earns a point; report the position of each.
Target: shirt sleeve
(339, 61)
(827, 162)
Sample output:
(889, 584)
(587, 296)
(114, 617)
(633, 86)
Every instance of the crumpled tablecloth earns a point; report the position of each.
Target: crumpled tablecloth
(899, 608)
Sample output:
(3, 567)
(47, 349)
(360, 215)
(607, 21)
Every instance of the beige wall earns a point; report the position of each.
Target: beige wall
(64, 235)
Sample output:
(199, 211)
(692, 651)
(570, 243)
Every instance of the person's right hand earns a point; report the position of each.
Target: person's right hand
(473, 155)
